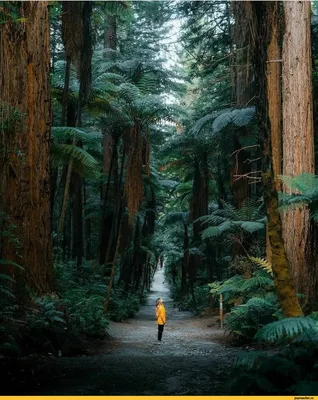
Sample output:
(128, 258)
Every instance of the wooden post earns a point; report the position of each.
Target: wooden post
(221, 310)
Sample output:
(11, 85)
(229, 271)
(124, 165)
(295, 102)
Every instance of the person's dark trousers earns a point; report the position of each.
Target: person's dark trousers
(160, 330)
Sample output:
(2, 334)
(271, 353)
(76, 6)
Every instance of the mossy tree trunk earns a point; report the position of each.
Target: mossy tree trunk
(25, 148)
(264, 14)
(274, 95)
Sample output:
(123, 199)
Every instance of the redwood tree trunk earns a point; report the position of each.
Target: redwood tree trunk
(282, 276)
(298, 131)
(25, 159)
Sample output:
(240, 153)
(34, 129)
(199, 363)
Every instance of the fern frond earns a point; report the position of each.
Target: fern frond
(259, 360)
(6, 277)
(304, 183)
(217, 231)
(287, 328)
(264, 264)
(249, 226)
(66, 133)
(12, 263)
(238, 117)
(202, 122)
(257, 282)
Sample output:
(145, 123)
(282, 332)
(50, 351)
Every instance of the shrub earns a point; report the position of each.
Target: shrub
(124, 306)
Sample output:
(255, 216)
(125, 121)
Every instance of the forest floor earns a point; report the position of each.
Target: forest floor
(194, 358)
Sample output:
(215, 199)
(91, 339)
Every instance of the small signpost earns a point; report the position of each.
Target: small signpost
(221, 310)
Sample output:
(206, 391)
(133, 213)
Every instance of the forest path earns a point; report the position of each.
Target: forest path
(191, 360)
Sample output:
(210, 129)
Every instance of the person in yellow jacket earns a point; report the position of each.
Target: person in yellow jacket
(161, 317)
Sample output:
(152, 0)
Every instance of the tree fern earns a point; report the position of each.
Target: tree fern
(247, 219)
(79, 154)
(65, 133)
(246, 319)
(250, 226)
(257, 282)
(202, 122)
(287, 328)
(237, 117)
(217, 231)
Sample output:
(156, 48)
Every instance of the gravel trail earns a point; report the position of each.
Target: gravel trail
(191, 360)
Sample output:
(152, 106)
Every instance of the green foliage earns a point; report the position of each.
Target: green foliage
(290, 369)
(262, 373)
(124, 306)
(62, 150)
(306, 187)
(46, 313)
(286, 329)
(245, 320)
(84, 297)
(11, 119)
(10, 13)
(261, 262)
(229, 220)
(237, 117)
(86, 307)
(251, 293)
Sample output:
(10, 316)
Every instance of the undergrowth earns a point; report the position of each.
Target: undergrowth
(287, 365)
(63, 322)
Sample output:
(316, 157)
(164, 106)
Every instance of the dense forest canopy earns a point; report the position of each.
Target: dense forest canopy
(138, 134)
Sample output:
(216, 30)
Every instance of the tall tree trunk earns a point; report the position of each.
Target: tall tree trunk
(73, 45)
(243, 37)
(113, 271)
(25, 157)
(185, 260)
(274, 71)
(264, 13)
(72, 35)
(110, 162)
(298, 132)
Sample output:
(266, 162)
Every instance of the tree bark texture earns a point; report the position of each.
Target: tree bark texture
(274, 95)
(244, 39)
(298, 130)
(264, 12)
(25, 155)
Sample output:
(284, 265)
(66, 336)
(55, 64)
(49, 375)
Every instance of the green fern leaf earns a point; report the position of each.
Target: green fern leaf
(237, 117)
(66, 133)
(257, 282)
(12, 263)
(6, 292)
(250, 226)
(6, 277)
(287, 328)
(79, 154)
(217, 231)
(261, 262)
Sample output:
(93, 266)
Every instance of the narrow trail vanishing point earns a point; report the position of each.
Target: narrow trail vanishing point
(191, 360)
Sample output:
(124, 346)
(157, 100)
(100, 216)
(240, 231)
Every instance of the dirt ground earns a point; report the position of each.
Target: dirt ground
(193, 359)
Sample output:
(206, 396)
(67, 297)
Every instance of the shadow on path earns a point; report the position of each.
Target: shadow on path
(188, 362)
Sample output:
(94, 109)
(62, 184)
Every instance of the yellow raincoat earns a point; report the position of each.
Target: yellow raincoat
(161, 314)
